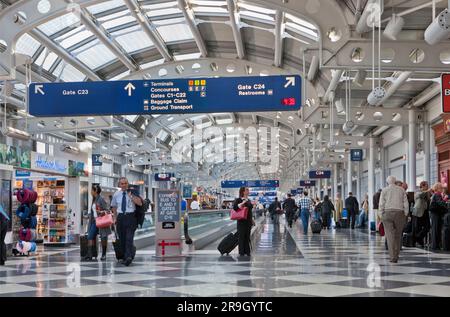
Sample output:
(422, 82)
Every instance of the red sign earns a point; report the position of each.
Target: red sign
(445, 93)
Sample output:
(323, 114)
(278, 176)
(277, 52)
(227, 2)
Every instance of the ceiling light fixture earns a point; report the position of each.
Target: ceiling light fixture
(439, 29)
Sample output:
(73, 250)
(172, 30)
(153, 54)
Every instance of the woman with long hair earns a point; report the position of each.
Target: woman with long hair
(99, 208)
(244, 226)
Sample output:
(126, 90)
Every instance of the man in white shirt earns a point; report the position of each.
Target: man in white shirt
(195, 205)
(394, 208)
(123, 204)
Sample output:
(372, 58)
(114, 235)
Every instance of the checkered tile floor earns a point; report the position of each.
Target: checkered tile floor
(285, 262)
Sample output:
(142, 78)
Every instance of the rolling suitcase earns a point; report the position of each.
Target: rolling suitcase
(408, 240)
(118, 250)
(316, 226)
(84, 247)
(228, 244)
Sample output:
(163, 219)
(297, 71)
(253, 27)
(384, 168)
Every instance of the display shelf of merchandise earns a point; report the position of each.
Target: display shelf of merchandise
(51, 204)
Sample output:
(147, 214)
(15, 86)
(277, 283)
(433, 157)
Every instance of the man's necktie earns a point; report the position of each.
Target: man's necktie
(124, 202)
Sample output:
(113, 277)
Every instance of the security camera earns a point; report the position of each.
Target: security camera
(439, 29)
(376, 96)
(331, 145)
(348, 126)
(299, 132)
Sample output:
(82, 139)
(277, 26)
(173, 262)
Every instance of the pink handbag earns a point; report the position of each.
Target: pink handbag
(239, 214)
(104, 221)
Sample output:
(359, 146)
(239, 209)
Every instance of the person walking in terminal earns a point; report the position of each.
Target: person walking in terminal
(394, 209)
(124, 206)
(98, 208)
(339, 206)
(290, 207)
(421, 215)
(352, 206)
(244, 226)
(4, 219)
(274, 210)
(317, 209)
(438, 207)
(326, 212)
(376, 202)
(305, 206)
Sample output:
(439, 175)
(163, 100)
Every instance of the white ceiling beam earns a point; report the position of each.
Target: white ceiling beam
(190, 20)
(101, 34)
(66, 56)
(149, 29)
(279, 30)
(235, 26)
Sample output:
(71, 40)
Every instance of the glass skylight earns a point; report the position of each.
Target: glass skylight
(104, 6)
(120, 76)
(27, 45)
(131, 118)
(134, 41)
(60, 23)
(152, 64)
(183, 57)
(76, 38)
(96, 56)
(175, 33)
(69, 73)
(118, 22)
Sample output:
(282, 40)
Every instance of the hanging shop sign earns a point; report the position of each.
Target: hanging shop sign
(97, 160)
(22, 173)
(445, 80)
(319, 174)
(77, 169)
(187, 191)
(163, 177)
(168, 229)
(356, 155)
(170, 96)
(252, 184)
(48, 163)
(15, 156)
(307, 183)
(27, 184)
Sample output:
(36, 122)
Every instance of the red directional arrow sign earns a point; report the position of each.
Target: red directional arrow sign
(446, 93)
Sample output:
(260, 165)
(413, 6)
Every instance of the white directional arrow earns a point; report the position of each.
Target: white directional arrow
(38, 89)
(130, 88)
(290, 81)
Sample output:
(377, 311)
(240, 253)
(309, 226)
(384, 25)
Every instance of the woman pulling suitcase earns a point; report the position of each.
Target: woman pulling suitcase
(244, 226)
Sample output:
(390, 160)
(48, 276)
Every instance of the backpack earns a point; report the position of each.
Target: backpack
(419, 207)
(140, 212)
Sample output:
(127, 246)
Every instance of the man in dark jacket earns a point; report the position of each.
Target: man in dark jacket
(289, 207)
(273, 210)
(376, 202)
(352, 206)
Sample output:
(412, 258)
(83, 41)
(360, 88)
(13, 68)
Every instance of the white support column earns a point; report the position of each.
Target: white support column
(383, 175)
(325, 187)
(349, 175)
(335, 180)
(426, 151)
(371, 179)
(412, 150)
(319, 188)
(358, 181)
(343, 187)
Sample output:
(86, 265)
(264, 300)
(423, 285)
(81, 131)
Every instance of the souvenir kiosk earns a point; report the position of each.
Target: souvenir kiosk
(62, 183)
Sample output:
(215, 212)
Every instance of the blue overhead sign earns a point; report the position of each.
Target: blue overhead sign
(166, 96)
(23, 173)
(164, 177)
(97, 160)
(319, 174)
(257, 183)
(356, 155)
(307, 183)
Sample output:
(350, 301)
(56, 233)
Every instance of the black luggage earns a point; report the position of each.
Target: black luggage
(316, 226)
(228, 244)
(84, 247)
(408, 240)
(117, 249)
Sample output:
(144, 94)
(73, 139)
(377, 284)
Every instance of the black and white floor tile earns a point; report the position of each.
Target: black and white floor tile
(284, 263)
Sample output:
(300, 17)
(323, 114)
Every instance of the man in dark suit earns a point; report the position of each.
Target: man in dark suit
(289, 207)
(4, 218)
(352, 206)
